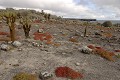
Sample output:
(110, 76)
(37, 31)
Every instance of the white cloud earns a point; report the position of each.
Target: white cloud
(100, 9)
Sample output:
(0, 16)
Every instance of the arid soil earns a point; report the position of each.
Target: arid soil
(62, 52)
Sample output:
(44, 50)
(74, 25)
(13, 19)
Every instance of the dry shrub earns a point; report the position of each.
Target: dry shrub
(107, 24)
(118, 56)
(25, 76)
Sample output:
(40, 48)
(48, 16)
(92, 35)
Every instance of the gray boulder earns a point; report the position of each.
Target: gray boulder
(86, 50)
(17, 43)
(45, 75)
(5, 47)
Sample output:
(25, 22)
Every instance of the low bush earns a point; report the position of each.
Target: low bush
(25, 76)
(107, 24)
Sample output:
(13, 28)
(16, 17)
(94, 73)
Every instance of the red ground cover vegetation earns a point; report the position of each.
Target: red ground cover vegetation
(91, 46)
(67, 72)
(102, 52)
(7, 36)
(4, 33)
(43, 37)
(36, 21)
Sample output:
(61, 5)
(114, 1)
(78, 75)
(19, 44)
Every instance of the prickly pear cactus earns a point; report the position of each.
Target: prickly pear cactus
(10, 18)
(26, 23)
(86, 24)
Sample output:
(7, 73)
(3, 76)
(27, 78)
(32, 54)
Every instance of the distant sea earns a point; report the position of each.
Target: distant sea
(113, 21)
(100, 21)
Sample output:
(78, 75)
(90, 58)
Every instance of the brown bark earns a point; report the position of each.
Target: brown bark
(12, 32)
(26, 31)
(85, 33)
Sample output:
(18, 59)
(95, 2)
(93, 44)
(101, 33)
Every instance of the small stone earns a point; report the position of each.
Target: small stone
(102, 38)
(45, 75)
(77, 64)
(12, 62)
(41, 46)
(37, 45)
(44, 63)
(86, 50)
(19, 49)
(77, 34)
(82, 35)
(15, 65)
(17, 43)
(9, 42)
(97, 33)
(63, 53)
(87, 35)
(29, 45)
(5, 47)
(33, 42)
(46, 50)
(40, 30)
(54, 34)
(102, 30)
(89, 39)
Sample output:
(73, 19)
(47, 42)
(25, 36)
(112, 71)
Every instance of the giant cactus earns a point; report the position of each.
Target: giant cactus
(26, 23)
(47, 16)
(86, 24)
(85, 32)
(10, 18)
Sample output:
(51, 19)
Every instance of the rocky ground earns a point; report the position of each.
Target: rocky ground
(35, 56)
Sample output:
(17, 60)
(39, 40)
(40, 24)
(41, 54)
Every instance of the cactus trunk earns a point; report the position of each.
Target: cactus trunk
(10, 20)
(85, 33)
(26, 31)
(12, 32)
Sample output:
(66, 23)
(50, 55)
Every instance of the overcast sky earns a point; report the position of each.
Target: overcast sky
(99, 9)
